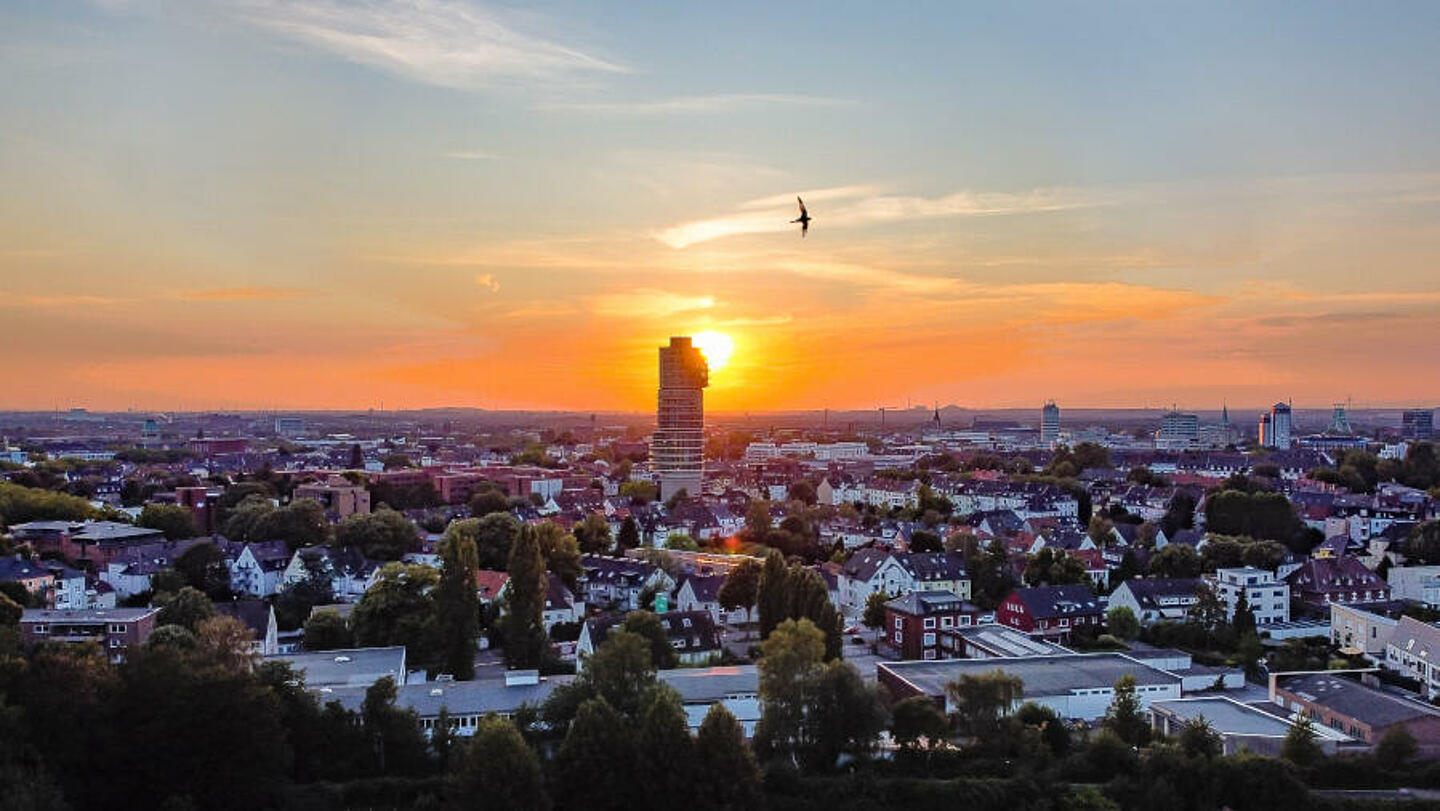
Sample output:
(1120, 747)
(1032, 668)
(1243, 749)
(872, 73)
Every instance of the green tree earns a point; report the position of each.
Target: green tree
(1301, 745)
(774, 595)
(629, 536)
(203, 566)
(186, 608)
(639, 492)
(19, 505)
(621, 671)
(239, 523)
(397, 743)
(1244, 622)
(1199, 739)
(399, 610)
(1423, 546)
(728, 779)
(457, 608)
(1121, 622)
(1175, 561)
(741, 587)
(648, 625)
(499, 771)
(327, 630)
(593, 534)
(1179, 513)
(595, 765)
(1124, 717)
(664, 746)
(561, 553)
(381, 535)
(175, 521)
(757, 522)
(493, 535)
(981, 701)
(1396, 747)
(522, 626)
(488, 501)
(917, 719)
(845, 717)
(1053, 731)
(874, 614)
(299, 523)
(791, 657)
(810, 599)
(1053, 567)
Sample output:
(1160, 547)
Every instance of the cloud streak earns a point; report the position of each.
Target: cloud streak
(438, 42)
(772, 214)
(243, 294)
(716, 103)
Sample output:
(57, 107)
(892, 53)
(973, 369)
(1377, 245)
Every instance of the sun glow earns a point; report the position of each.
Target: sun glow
(715, 346)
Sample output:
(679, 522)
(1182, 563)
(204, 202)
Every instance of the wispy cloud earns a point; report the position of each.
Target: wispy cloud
(23, 300)
(772, 214)
(715, 103)
(243, 294)
(439, 42)
(647, 303)
(471, 155)
(488, 281)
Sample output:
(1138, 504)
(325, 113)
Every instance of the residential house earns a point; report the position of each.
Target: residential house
(560, 603)
(35, 577)
(692, 634)
(1420, 584)
(914, 622)
(873, 570)
(1322, 581)
(259, 617)
(702, 593)
(256, 569)
(1413, 650)
(1157, 599)
(617, 582)
(1050, 611)
(1357, 631)
(350, 573)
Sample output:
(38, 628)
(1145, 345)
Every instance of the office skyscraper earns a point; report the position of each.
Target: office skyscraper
(1280, 429)
(678, 449)
(1050, 424)
(1418, 423)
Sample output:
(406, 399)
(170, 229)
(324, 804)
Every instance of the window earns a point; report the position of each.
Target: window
(929, 639)
(947, 622)
(898, 638)
(899, 623)
(42, 629)
(929, 654)
(929, 622)
(1064, 623)
(685, 621)
(117, 628)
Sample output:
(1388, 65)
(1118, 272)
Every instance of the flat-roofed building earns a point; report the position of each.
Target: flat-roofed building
(1240, 726)
(1078, 686)
(1418, 583)
(350, 667)
(1358, 710)
(991, 641)
(114, 629)
(338, 495)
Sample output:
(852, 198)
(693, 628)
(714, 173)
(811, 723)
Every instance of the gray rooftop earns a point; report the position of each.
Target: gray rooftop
(86, 614)
(359, 667)
(1348, 697)
(1230, 717)
(1004, 641)
(1059, 674)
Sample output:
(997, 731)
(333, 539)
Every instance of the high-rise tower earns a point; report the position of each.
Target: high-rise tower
(1050, 424)
(678, 449)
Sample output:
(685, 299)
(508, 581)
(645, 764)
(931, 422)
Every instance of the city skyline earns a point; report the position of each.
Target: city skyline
(445, 203)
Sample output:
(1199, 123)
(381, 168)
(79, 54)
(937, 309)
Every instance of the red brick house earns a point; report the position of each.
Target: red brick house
(1050, 611)
(913, 622)
(1322, 581)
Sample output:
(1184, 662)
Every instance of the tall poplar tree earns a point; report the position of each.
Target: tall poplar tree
(526, 645)
(457, 608)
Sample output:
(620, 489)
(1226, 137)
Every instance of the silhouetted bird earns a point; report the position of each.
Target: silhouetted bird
(804, 218)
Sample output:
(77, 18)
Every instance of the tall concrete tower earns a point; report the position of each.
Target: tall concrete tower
(678, 449)
(1281, 427)
(1050, 424)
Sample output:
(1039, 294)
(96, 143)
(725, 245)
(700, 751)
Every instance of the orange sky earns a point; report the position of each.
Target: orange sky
(212, 210)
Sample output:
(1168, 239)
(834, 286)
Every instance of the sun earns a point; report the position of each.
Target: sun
(715, 346)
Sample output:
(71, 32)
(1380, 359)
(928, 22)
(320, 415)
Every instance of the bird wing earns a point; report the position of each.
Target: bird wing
(802, 205)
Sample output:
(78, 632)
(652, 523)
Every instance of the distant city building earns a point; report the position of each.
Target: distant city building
(678, 449)
(338, 495)
(1177, 431)
(1340, 421)
(1050, 423)
(1418, 423)
(289, 426)
(1276, 428)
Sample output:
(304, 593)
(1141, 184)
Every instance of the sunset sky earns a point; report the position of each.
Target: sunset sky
(265, 204)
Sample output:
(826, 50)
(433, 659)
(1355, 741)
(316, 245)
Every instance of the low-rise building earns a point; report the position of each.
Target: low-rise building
(116, 630)
(1266, 595)
(350, 667)
(1053, 612)
(1158, 599)
(691, 633)
(1076, 686)
(1358, 710)
(914, 622)
(1419, 584)
(1322, 581)
(1241, 727)
(1413, 650)
(338, 495)
(1357, 631)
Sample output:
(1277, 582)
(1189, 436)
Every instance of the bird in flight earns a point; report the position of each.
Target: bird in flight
(804, 218)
